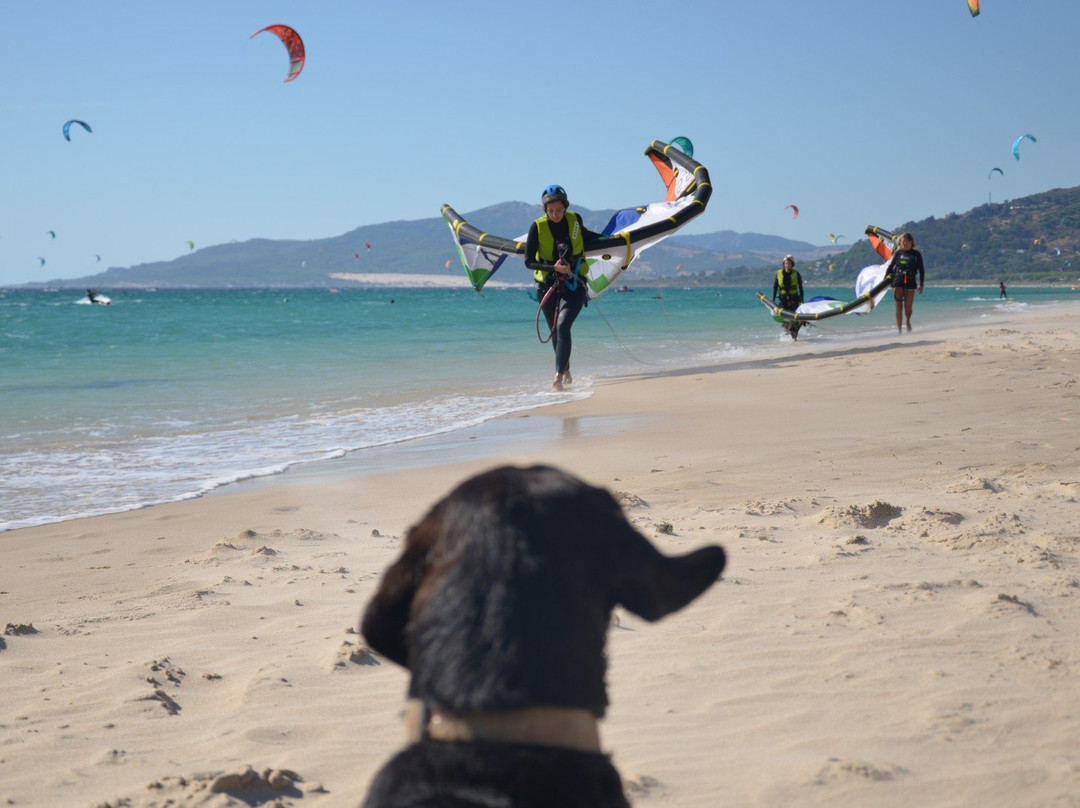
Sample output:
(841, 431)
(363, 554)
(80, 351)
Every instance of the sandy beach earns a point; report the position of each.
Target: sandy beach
(897, 626)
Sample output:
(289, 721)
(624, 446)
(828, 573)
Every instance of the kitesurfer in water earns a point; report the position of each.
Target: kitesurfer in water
(91, 296)
(906, 268)
(788, 287)
(1001, 290)
(554, 251)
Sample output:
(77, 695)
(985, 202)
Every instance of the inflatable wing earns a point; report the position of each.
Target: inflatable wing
(684, 145)
(630, 231)
(871, 286)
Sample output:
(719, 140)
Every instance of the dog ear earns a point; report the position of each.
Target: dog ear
(386, 617)
(653, 585)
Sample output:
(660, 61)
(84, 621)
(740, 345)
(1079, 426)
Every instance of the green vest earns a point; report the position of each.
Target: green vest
(545, 244)
(787, 284)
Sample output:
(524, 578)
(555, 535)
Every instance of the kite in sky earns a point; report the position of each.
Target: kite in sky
(794, 211)
(67, 128)
(293, 44)
(1016, 144)
(973, 7)
(992, 170)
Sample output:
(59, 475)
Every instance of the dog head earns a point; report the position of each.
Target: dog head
(503, 593)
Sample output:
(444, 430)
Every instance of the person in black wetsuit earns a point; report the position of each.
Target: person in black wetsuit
(1001, 290)
(908, 274)
(788, 286)
(554, 251)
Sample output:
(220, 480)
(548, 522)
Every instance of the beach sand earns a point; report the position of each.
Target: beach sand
(898, 624)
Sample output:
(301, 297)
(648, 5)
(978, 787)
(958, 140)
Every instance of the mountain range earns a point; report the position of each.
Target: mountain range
(1033, 238)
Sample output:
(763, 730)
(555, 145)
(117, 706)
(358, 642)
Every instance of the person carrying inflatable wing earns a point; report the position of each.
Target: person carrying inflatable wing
(788, 286)
(554, 251)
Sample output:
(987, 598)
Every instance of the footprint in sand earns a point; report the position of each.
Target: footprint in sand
(974, 484)
(1011, 604)
(844, 770)
(951, 723)
(19, 629)
(627, 500)
(764, 507)
(353, 652)
(164, 673)
(166, 701)
(642, 786)
(238, 786)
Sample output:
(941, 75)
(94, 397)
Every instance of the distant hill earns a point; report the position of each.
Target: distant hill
(1036, 238)
(420, 246)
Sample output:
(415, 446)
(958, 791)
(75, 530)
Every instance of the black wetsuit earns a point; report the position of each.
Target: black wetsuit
(565, 302)
(907, 270)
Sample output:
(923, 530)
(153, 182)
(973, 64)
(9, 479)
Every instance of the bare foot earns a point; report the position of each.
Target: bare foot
(567, 379)
(557, 385)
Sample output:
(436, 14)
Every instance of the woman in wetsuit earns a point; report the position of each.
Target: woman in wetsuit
(906, 267)
(554, 251)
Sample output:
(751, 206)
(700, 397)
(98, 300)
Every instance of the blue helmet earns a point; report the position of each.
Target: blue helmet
(554, 193)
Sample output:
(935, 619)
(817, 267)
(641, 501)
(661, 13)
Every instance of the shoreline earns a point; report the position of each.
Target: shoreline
(409, 280)
(510, 428)
(897, 625)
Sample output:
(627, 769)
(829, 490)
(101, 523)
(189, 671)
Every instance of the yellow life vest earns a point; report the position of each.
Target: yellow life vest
(545, 245)
(787, 284)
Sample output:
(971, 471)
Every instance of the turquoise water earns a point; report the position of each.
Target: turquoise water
(166, 395)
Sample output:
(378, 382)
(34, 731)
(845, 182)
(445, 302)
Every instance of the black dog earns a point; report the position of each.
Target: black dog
(499, 607)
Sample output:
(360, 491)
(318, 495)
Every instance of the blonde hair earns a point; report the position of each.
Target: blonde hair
(908, 236)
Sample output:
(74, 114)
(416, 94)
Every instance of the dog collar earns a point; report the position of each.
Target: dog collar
(566, 727)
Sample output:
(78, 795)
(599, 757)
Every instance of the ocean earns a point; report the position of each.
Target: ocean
(167, 395)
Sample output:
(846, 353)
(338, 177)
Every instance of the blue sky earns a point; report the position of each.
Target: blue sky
(857, 111)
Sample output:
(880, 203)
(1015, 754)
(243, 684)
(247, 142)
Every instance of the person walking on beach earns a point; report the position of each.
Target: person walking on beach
(908, 274)
(788, 287)
(555, 252)
(1001, 289)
